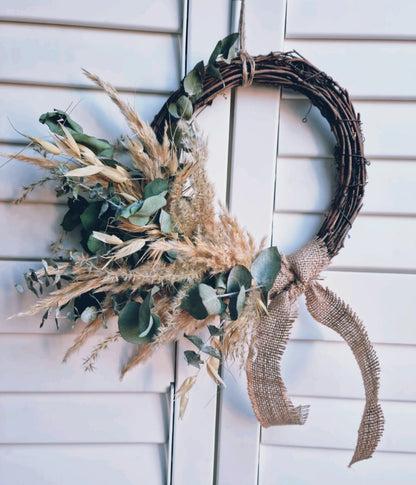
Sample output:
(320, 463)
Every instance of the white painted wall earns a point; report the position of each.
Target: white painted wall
(58, 424)
(61, 426)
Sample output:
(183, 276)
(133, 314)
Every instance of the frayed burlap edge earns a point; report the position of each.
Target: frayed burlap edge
(266, 389)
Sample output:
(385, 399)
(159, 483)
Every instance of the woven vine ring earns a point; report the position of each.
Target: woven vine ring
(301, 269)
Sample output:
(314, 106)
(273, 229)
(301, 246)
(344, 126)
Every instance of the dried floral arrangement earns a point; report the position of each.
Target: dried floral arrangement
(166, 262)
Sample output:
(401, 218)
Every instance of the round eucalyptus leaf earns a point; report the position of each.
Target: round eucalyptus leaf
(166, 222)
(128, 322)
(192, 303)
(239, 276)
(266, 267)
(89, 314)
(236, 303)
(184, 107)
(156, 187)
(210, 300)
(151, 205)
(193, 84)
(140, 221)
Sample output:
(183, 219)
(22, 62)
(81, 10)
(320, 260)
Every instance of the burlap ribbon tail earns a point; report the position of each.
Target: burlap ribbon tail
(267, 391)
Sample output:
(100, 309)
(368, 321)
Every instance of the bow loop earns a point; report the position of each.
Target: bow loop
(267, 391)
(300, 268)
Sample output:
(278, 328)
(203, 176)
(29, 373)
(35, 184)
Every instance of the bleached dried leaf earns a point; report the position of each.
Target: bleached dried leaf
(106, 238)
(72, 144)
(129, 248)
(46, 145)
(118, 174)
(90, 156)
(213, 365)
(84, 171)
(186, 386)
(183, 404)
(183, 394)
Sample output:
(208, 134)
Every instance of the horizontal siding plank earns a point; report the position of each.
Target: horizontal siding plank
(386, 322)
(308, 466)
(54, 55)
(15, 175)
(386, 127)
(83, 418)
(39, 366)
(333, 423)
(158, 14)
(329, 369)
(390, 188)
(92, 464)
(32, 228)
(373, 243)
(369, 19)
(21, 106)
(361, 66)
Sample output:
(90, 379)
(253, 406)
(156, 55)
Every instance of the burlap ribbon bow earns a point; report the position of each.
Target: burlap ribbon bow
(266, 389)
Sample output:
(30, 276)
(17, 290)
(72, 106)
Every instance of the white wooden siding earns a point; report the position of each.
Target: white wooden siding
(366, 46)
(59, 424)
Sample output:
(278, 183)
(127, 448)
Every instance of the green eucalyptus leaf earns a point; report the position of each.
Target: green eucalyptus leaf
(94, 245)
(213, 352)
(165, 222)
(231, 54)
(227, 46)
(131, 209)
(193, 83)
(157, 186)
(89, 314)
(210, 300)
(214, 72)
(173, 110)
(215, 331)
(72, 217)
(197, 341)
(128, 322)
(170, 255)
(184, 108)
(151, 205)
(236, 303)
(139, 221)
(89, 216)
(215, 53)
(239, 276)
(137, 324)
(266, 267)
(192, 303)
(192, 358)
(53, 120)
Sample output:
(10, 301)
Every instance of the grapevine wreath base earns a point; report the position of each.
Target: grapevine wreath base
(160, 257)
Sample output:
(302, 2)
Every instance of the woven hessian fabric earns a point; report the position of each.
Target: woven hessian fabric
(266, 388)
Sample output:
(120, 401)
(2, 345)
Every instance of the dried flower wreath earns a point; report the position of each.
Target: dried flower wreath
(157, 255)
